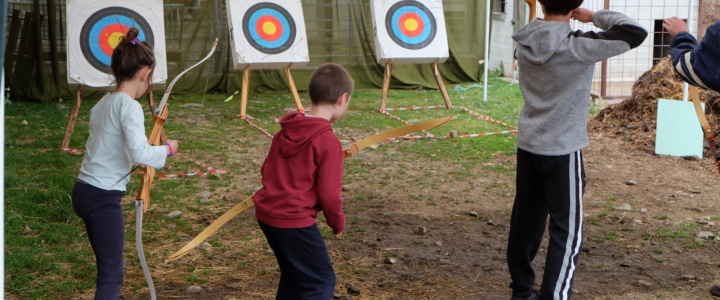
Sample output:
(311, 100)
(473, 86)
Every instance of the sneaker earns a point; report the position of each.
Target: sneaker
(533, 296)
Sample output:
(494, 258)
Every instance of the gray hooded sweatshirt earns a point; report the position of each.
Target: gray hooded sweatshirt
(557, 66)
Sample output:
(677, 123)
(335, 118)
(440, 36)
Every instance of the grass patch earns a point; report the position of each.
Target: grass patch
(44, 236)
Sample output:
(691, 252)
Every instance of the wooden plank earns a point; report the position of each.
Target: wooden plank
(41, 77)
(12, 41)
(71, 122)
(245, 87)
(441, 85)
(53, 23)
(386, 85)
(22, 75)
(293, 89)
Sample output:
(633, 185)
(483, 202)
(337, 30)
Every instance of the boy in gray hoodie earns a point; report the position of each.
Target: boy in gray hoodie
(557, 68)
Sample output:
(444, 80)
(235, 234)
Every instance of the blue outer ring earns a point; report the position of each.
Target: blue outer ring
(393, 29)
(251, 33)
(98, 27)
(99, 20)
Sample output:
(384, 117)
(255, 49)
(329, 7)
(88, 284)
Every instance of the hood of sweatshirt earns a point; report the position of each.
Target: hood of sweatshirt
(539, 41)
(298, 131)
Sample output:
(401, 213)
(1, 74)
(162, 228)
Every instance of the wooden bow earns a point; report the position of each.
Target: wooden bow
(157, 137)
(157, 134)
(708, 132)
(347, 152)
(533, 9)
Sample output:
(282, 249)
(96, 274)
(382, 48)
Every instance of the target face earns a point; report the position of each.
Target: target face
(103, 31)
(269, 28)
(95, 28)
(409, 31)
(410, 24)
(267, 34)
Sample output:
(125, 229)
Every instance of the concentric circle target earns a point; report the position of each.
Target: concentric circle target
(269, 28)
(410, 24)
(102, 31)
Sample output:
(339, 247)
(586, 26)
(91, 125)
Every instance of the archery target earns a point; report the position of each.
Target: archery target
(409, 31)
(267, 34)
(95, 29)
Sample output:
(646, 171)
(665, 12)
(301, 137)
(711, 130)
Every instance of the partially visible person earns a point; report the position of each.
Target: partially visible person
(557, 66)
(301, 176)
(117, 141)
(697, 64)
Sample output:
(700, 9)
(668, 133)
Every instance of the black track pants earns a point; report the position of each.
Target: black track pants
(546, 185)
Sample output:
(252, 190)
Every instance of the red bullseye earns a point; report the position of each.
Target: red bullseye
(110, 37)
(269, 28)
(411, 24)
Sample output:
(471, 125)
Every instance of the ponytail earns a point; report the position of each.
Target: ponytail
(130, 56)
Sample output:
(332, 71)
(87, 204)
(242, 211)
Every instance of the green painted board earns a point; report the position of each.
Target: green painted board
(678, 129)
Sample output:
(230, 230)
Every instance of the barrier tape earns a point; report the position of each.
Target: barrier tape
(248, 118)
(486, 118)
(415, 107)
(73, 151)
(210, 170)
(430, 136)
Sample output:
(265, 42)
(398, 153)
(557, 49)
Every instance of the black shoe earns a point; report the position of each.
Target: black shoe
(533, 296)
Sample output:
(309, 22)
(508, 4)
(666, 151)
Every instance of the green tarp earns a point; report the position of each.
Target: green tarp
(339, 31)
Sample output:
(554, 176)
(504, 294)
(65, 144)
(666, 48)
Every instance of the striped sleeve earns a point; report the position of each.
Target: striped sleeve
(698, 64)
(620, 34)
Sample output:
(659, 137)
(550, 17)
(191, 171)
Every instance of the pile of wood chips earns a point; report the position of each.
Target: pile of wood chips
(636, 118)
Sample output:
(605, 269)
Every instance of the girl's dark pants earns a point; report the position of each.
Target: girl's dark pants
(101, 212)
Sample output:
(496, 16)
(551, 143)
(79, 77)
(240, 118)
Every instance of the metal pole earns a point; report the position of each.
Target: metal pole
(690, 24)
(487, 49)
(3, 15)
(604, 65)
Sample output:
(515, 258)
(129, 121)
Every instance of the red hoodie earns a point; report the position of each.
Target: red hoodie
(302, 175)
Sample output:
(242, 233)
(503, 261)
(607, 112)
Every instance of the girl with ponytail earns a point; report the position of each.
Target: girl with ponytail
(117, 141)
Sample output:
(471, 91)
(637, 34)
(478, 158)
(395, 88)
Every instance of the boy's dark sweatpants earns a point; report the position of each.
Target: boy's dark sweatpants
(546, 185)
(305, 268)
(101, 212)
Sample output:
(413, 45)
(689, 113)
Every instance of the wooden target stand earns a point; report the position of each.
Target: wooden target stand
(246, 86)
(74, 114)
(388, 76)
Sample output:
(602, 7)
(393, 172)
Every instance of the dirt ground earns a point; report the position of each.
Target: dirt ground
(441, 250)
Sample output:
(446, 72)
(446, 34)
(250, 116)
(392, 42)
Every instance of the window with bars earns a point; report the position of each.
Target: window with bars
(661, 41)
(499, 6)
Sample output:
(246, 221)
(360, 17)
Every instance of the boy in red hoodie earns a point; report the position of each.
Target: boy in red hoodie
(302, 175)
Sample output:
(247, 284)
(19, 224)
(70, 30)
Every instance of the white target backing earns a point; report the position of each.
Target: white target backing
(94, 28)
(267, 34)
(409, 31)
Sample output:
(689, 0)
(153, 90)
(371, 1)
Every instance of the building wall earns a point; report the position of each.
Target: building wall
(501, 43)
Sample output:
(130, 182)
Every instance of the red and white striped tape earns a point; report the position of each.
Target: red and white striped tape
(486, 118)
(210, 170)
(248, 118)
(430, 136)
(415, 107)
(73, 151)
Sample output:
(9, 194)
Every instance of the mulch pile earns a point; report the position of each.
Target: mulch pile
(635, 119)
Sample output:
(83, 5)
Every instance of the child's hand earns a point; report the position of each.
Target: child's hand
(173, 145)
(338, 235)
(675, 25)
(583, 15)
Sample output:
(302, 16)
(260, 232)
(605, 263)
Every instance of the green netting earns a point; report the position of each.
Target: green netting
(338, 31)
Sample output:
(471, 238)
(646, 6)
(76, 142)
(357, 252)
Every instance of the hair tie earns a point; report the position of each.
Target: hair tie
(136, 40)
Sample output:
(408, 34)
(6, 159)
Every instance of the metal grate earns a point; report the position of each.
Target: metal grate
(615, 77)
